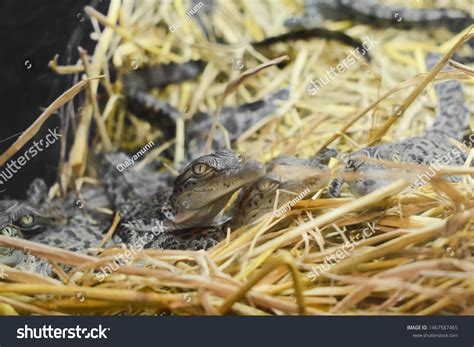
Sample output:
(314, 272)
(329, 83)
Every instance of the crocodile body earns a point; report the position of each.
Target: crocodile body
(162, 115)
(433, 147)
(186, 216)
(372, 12)
(235, 120)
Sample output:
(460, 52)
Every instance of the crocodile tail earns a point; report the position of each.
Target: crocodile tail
(453, 115)
(372, 12)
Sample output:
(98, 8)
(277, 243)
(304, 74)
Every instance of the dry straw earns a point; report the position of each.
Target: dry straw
(419, 257)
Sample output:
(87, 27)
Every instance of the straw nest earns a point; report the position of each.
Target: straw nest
(416, 256)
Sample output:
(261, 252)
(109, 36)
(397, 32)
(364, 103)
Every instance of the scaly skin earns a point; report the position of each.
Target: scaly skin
(52, 223)
(290, 177)
(9, 256)
(236, 120)
(137, 85)
(33, 215)
(187, 216)
(452, 120)
(159, 76)
(162, 115)
(372, 12)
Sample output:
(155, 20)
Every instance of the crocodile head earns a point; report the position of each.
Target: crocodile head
(259, 198)
(288, 180)
(32, 215)
(206, 184)
(10, 256)
(25, 219)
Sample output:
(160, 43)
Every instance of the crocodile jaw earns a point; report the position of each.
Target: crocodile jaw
(200, 206)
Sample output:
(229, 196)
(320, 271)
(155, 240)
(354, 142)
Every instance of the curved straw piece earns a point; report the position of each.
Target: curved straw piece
(283, 259)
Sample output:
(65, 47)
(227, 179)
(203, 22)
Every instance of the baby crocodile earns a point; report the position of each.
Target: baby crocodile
(235, 120)
(55, 223)
(433, 147)
(291, 177)
(186, 216)
(163, 116)
(137, 86)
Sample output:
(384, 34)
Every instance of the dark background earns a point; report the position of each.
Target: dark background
(33, 32)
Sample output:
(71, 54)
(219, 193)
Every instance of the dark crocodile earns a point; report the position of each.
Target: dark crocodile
(163, 116)
(142, 103)
(235, 120)
(186, 216)
(310, 33)
(375, 13)
(72, 223)
(293, 179)
(432, 147)
(297, 32)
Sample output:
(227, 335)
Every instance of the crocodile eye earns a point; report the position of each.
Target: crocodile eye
(265, 185)
(27, 220)
(201, 169)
